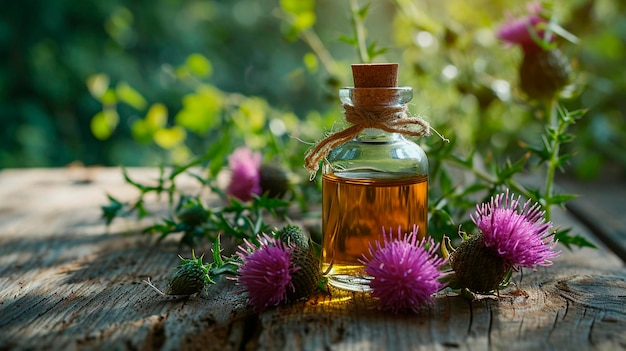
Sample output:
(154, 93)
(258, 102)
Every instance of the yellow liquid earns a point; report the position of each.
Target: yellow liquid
(354, 212)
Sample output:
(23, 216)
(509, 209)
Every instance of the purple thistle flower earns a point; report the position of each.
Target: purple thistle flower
(519, 235)
(517, 31)
(266, 272)
(245, 180)
(405, 271)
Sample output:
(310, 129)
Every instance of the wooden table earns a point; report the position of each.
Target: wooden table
(67, 282)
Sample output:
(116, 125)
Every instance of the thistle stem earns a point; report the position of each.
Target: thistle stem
(315, 43)
(359, 31)
(554, 156)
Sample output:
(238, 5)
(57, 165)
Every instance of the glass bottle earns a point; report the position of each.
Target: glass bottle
(377, 180)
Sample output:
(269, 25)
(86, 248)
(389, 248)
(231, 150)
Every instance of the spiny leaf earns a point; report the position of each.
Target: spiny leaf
(562, 160)
(510, 169)
(566, 138)
(561, 199)
(373, 51)
(542, 152)
(110, 211)
(570, 117)
(349, 40)
(564, 237)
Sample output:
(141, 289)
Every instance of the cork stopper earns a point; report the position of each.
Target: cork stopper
(375, 75)
(368, 81)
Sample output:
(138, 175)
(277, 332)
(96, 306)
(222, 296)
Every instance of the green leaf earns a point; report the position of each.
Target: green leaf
(562, 32)
(474, 188)
(534, 34)
(372, 51)
(304, 21)
(560, 199)
(510, 169)
(104, 123)
(562, 160)
(445, 183)
(444, 215)
(363, 11)
(268, 203)
(110, 211)
(201, 110)
(98, 84)
(297, 6)
(141, 209)
(577, 114)
(217, 253)
(542, 153)
(168, 138)
(129, 95)
(167, 227)
(176, 170)
(446, 247)
(109, 98)
(467, 161)
(141, 131)
(301, 16)
(566, 138)
(199, 65)
(217, 154)
(349, 40)
(311, 62)
(156, 117)
(142, 188)
(252, 115)
(551, 135)
(568, 240)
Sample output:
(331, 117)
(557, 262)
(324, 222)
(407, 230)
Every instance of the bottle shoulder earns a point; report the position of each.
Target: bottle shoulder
(397, 157)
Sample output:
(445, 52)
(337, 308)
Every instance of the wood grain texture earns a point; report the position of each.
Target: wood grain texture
(601, 206)
(67, 282)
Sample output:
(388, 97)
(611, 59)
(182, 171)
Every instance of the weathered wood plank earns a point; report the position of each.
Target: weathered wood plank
(67, 282)
(601, 206)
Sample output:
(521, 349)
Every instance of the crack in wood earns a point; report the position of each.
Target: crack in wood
(471, 318)
(489, 328)
(155, 338)
(599, 292)
(252, 329)
(590, 336)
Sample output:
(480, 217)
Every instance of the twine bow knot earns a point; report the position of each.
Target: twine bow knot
(392, 119)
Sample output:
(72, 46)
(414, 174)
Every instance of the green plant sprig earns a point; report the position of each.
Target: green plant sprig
(453, 200)
(548, 152)
(197, 221)
(191, 215)
(366, 52)
(211, 162)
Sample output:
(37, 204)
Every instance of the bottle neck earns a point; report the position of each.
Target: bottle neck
(377, 116)
(373, 135)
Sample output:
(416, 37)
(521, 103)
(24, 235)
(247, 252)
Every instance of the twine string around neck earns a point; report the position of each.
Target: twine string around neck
(392, 119)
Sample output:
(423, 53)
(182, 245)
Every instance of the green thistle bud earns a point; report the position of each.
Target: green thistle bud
(273, 180)
(543, 73)
(190, 277)
(194, 215)
(476, 267)
(293, 234)
(307, 277)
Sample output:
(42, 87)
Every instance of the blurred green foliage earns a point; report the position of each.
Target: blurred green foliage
(152, 82)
